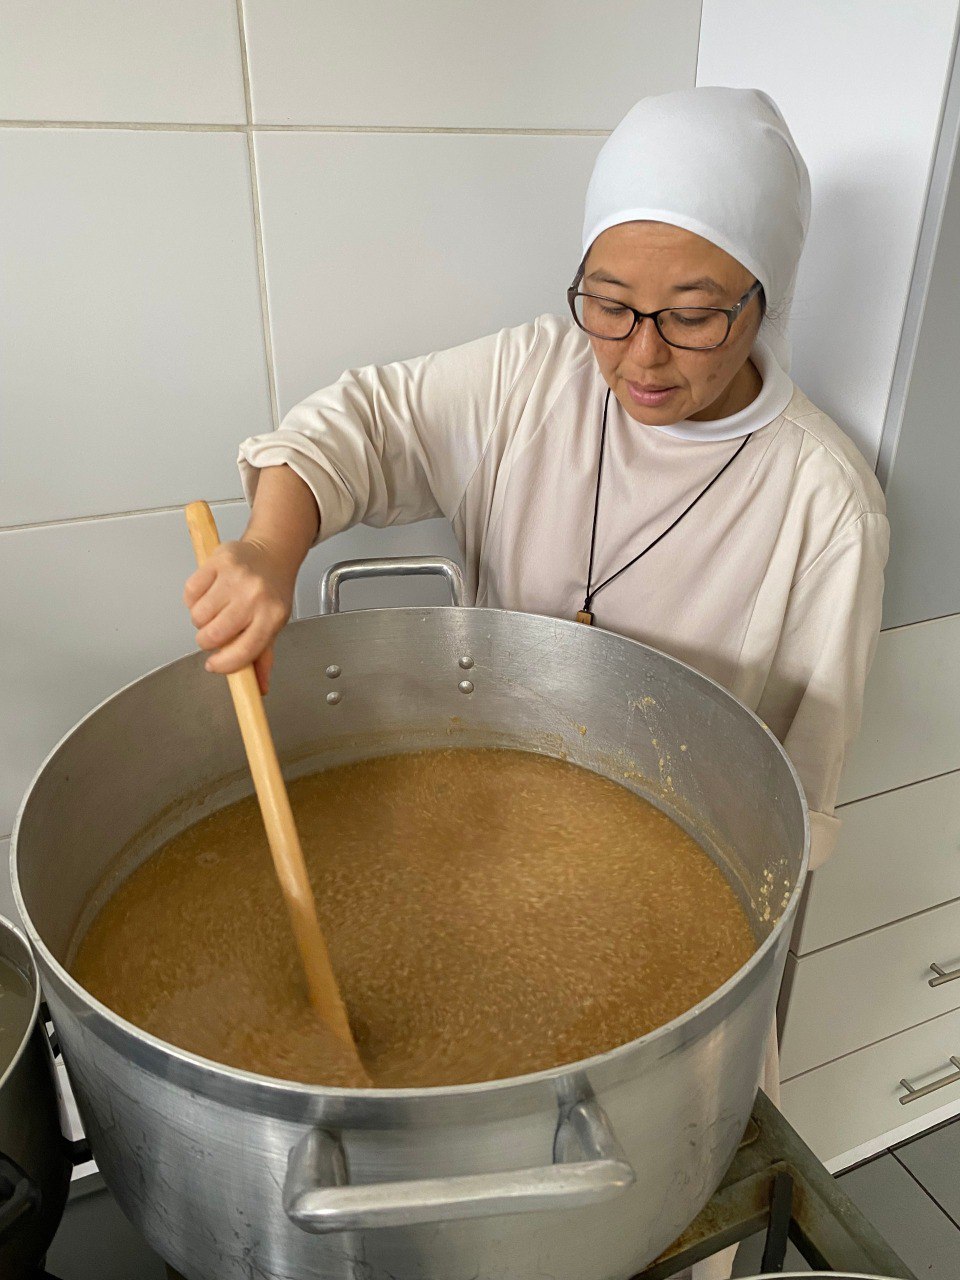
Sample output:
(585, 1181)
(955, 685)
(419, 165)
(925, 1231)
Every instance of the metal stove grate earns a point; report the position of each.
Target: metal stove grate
(775, 1182)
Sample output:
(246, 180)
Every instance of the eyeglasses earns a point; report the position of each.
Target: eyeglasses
(692, 328)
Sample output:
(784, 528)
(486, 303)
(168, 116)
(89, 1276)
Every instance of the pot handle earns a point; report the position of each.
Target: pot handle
(589, 1167)
(388, 567)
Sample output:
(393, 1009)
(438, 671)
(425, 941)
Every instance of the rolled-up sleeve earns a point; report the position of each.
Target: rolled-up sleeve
(813, 697)
(390, 444)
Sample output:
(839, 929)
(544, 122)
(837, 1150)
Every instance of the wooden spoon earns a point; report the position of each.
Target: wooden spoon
(278, 819)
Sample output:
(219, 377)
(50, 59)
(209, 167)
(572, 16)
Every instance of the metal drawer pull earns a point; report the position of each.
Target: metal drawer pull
(942, 976)
(913, 1094)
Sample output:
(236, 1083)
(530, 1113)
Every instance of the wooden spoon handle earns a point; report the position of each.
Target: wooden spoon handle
(277, 815)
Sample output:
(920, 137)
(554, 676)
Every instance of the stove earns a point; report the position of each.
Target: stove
(774, 1184)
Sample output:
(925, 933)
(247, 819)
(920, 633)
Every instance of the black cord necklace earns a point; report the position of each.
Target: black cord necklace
(586, 613)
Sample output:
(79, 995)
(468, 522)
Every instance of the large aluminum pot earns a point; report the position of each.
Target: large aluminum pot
(35, 1159)
(589, 1170)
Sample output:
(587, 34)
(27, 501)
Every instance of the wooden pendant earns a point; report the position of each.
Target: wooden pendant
(585, 617)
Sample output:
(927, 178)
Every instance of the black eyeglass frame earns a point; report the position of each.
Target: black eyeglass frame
(574, 292)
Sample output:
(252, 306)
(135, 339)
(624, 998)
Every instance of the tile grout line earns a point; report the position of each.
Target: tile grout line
(258, 225)
(182, 127)
(926, 1190)
(513, 131)
(125, 126)
(113, 515)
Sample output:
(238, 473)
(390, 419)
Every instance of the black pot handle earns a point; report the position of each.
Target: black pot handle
(19, 1195)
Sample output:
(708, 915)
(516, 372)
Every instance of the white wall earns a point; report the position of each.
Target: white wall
(924, 462)
(187, 187)
(861, 86)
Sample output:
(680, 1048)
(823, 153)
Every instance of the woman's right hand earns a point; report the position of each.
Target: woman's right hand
(239, 599)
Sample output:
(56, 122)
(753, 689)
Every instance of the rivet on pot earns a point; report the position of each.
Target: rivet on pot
(466, 662)
(465, 686)
(333, 671)
(334, 698)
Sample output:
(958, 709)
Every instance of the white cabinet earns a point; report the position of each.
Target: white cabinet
(851, 1108)
(868, 988)
(857, 1011)
(911, 713)
(898, 854)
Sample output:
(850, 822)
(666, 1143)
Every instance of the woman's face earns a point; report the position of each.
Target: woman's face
(645, 264)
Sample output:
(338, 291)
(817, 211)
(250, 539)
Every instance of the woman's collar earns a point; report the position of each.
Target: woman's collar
(773, 397)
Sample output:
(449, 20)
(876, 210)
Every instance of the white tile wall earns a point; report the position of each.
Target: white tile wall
(88, 607)
(577, 64)
(911, 711)
(131, 336)
(108, 60)
(133, 350)
(495, 221)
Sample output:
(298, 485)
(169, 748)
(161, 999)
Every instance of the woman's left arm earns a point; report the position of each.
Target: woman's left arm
(813, 698)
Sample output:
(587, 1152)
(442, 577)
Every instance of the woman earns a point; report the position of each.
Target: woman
(645, 463)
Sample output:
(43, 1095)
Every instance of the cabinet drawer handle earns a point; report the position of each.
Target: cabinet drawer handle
(942, 976)
(913, 1094)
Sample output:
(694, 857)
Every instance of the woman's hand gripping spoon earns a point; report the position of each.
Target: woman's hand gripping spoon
(278, 820)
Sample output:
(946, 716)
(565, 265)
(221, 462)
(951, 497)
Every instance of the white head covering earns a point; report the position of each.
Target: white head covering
(722, 163)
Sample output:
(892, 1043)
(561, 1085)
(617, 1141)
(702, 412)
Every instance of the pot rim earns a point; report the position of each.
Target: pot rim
(273, 1085)
(9, 927)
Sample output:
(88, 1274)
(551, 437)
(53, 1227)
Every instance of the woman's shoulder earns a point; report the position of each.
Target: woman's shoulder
(530, 364)
(559, 342)
(830, 461)
(547, 348)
